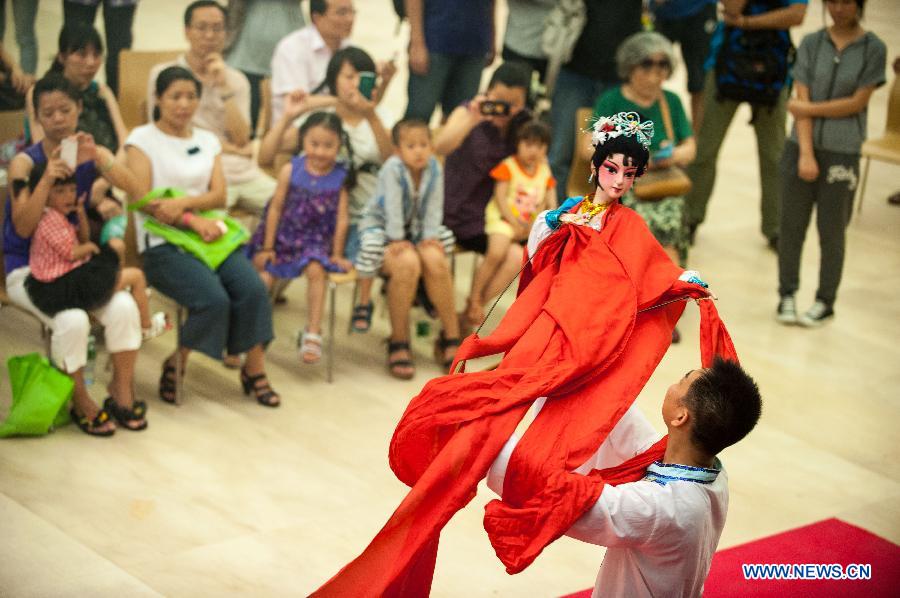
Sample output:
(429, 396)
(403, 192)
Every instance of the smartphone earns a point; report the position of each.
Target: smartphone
(68, 151)
(366, 83)
(495, 108)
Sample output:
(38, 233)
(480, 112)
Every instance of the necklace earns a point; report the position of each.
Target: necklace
(590, 209)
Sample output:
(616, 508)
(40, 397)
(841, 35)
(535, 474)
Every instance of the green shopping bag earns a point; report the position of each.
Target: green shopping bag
(39, 396)
(212, 254)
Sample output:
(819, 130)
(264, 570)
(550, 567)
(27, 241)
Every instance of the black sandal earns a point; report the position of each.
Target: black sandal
(441, 344)
(395, 364)
(265, 394)
(362, 318)
(167, 386)
(89, 426)
(125, 416)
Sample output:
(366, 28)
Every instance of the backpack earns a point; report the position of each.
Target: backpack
(753, 64)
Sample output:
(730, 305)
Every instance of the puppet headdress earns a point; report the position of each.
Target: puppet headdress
(629, 124)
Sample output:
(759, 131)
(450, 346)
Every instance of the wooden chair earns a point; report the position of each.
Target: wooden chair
(887, 147)
(578, 185)
(134, 69)
(12, 126)
(264, 119)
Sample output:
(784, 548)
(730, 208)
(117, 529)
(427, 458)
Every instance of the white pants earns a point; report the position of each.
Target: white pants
(252, 195)
(70, 328)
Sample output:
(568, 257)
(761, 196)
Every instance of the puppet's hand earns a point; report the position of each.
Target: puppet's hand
(693, 277)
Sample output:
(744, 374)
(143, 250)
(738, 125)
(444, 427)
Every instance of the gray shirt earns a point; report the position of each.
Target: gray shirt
(265, 22)
(831, 75)
(525, 25)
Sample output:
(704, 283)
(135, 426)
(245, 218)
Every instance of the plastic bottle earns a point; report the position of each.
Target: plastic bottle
(91, 359)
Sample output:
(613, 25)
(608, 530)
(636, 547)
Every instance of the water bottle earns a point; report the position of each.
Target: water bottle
(91, 359)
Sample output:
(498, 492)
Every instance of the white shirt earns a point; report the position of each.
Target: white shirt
(660, 537)
(299, 62)
(210, 115)
(182, 162)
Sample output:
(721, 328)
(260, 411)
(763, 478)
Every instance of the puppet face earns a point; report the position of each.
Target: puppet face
(614, 177)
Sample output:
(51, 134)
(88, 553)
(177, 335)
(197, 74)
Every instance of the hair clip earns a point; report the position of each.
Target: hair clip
(629, 124)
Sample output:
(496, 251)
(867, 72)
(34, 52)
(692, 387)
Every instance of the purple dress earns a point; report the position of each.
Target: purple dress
(308, 220)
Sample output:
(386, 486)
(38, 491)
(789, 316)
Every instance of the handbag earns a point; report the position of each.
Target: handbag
(39, 396)
(654, 185)
(213, 253)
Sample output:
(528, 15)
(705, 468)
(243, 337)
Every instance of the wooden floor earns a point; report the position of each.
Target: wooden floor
(223, 497)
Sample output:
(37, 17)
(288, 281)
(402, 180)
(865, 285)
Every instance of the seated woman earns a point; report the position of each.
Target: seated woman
(227, 308)
(56, 104)
(368, 142)
(78, 59)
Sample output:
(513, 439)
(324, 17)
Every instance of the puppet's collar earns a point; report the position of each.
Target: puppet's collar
(663, 473)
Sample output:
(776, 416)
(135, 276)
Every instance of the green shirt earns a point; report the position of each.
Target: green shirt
(613, 102)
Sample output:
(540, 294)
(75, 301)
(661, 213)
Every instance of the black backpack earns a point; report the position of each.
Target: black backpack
(753, 64)
(400, 9)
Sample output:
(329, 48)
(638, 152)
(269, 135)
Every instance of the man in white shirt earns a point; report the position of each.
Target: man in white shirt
(661, 532)
(301, 58)
(224, 104)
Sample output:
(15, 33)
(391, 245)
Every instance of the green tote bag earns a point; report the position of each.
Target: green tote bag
(39, 396)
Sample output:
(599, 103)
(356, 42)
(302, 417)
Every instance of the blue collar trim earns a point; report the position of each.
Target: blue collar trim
(663, 473)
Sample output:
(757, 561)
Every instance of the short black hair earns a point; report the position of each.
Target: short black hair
(318, 7)
(74, 37)
(358, 58)
(627, 145)
(54, 81)
(512, 74)
(189, 11)
(534, 130)
(725, 405)
(37, 172)
(405, 125)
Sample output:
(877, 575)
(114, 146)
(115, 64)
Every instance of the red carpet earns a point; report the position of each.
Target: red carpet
(827, 542)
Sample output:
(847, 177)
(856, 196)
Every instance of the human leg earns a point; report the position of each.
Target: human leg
(798, 198)
(497, 249)
(81, 14)
(254, 379)
(834, 198)
(311, 338)
(506, 273)
(249, 313)
(117, 22)
(424, 91)
(769, 123)
(439, 286)
(462, 83)
(134, 279)
(24, 15)
(368, 262)
(255, 81)
(252, 195)
(717, 116)
(403, 268)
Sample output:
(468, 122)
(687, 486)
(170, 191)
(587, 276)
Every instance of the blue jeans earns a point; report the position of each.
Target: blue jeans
(571, 92)
(450, 80)
(24, 14)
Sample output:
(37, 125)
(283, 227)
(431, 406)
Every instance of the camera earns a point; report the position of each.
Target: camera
(495, 108)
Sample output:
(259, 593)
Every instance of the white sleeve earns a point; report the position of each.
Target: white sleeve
(539, 232)
(497, 472)
(626, 515)
(632, 435)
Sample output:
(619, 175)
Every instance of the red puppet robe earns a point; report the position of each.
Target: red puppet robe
(593, 318)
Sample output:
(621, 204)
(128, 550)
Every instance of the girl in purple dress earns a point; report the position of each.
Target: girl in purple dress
(304, 227)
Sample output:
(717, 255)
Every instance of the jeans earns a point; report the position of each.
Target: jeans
(117, 22)
(450, 80)
(24, 14)
(571, 92)
(768, 124)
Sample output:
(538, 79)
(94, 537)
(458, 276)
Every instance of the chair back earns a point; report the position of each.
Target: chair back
(893, 111)
(263, 120)
(134, 69)
(578, 184)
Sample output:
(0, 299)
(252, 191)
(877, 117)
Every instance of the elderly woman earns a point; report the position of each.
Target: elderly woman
(228, 308)
(644, 61)
(57, 105)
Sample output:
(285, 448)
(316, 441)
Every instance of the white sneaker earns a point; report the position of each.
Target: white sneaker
(816, 315)
(787, 311)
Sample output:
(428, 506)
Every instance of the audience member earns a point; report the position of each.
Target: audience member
(590, 72)
(254, 28)
(368, 142)
(227, 308)
(691, 24)
(748, 24)
(450, 43)
(118, 20)
(14, 83)
(401, 236)
(475, 139)
(304, 227)
(524, 26)
(224, 107)
(57, 106)
(524, 187)
(24, 15)
(837, 69)
(301, 58)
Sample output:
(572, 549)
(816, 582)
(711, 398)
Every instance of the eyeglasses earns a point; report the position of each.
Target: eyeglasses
(344, 12)
(207, 28)
(649, 63)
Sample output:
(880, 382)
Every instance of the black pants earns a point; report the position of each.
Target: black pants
(117, 22)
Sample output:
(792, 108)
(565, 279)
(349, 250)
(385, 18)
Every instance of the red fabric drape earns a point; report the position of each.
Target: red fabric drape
(576, 334)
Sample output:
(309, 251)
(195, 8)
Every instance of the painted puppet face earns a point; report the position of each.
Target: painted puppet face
(615, 176)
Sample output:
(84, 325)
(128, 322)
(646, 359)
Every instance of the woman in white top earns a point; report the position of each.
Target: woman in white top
(368, 141)
(228, 309)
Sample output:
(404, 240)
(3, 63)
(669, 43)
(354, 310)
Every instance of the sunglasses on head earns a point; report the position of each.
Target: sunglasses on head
(649, 63)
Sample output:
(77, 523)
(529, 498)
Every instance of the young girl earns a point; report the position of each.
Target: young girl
(524, 186)
(68, 271)
(837, 70)
(304, 227)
